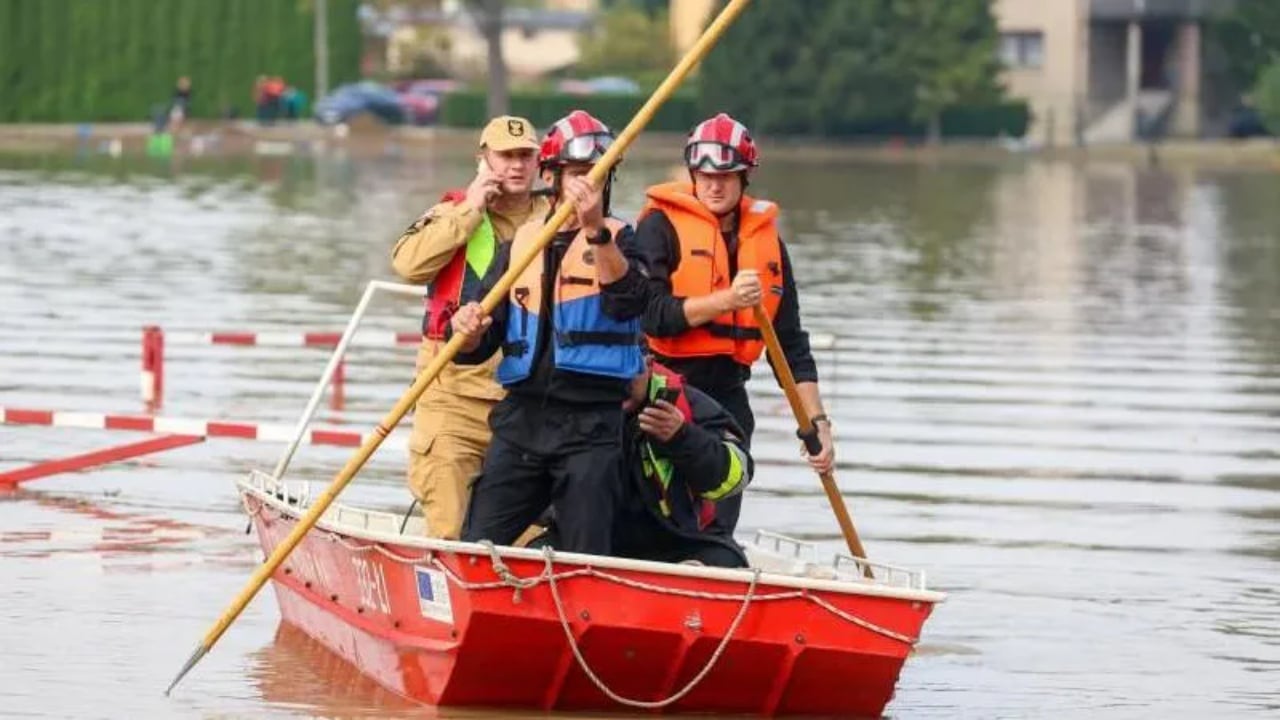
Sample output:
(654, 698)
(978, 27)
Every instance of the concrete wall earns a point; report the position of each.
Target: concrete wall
(688, 18)
(528, 55)
(575, 5)
(1188, 114)
(1107, 48)
(1056, 90)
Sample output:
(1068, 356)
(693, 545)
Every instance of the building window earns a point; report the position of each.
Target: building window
(1022, 49)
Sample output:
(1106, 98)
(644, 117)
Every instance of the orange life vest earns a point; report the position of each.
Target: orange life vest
(584, 338)
(704, 269)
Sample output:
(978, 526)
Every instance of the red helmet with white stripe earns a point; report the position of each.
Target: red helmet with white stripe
(578, 138)
(720, 145)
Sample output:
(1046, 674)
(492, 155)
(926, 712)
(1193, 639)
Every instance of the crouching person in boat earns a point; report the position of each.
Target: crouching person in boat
(451, 247)
(568, 332)
(685, 455)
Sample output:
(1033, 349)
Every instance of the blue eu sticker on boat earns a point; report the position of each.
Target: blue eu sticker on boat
(433, 595)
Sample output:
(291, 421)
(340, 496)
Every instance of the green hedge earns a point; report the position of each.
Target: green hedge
(1009, 118)
(83, 60)
(980, 121)
(1267, 96)
(680, 113)
(469, 109)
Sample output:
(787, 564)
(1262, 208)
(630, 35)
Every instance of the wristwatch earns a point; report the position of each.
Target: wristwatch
(604, 237)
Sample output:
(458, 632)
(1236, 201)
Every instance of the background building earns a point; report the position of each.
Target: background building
(443, 38)
(1097, 71)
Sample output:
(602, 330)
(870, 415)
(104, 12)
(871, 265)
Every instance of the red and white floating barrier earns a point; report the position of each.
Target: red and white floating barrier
(177, 432)
(184, 426)
(84, 461)
(154, 340)
(367, 338)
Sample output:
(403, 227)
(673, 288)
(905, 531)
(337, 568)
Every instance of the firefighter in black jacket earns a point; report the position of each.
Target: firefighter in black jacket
(683, 455)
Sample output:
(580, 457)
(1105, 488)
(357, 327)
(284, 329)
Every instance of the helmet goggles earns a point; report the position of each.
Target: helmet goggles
(588, 148)
(714, 156)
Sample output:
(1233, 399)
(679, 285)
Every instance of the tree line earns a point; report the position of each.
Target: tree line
(836, 67)
(1249, 35)
(116, 60)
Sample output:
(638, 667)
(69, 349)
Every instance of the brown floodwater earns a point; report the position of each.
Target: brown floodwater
(1056, 388)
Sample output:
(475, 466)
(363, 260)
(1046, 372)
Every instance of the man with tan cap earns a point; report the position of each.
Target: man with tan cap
(451, 247)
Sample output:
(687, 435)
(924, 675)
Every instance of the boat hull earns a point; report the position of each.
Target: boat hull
(441, 626)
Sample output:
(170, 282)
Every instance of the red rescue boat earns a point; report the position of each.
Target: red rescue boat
(457, 624)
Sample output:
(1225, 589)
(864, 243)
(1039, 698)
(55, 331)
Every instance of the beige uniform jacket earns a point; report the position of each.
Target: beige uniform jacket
(419, 255)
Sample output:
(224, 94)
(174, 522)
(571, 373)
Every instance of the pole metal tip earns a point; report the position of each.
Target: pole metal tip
(191, 662)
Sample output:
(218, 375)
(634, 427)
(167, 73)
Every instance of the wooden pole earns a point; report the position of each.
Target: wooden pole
(809, 435)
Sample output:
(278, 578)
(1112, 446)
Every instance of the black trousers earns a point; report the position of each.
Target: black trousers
(569, 458)
(739, 406)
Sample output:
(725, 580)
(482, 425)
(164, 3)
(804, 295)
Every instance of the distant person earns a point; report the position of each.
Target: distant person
(267, 97)
(180, 104)
(295, 102)
(275, 88)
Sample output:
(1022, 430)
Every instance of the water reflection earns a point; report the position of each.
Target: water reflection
(1250, 254)
(296, 672)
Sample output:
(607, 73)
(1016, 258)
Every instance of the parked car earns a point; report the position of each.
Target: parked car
(603, 85)
(347, 101)
(1245, 122)
(422, 99)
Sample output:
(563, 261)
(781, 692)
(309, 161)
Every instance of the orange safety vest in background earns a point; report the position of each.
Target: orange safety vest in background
(704, 269)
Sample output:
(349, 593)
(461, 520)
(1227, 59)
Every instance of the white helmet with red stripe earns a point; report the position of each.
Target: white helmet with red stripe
(720, 145)
(577, 137)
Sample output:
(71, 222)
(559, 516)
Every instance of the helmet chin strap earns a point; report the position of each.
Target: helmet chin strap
(607, 193)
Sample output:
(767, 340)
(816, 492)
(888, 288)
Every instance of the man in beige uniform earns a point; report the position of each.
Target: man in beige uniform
(451, 247)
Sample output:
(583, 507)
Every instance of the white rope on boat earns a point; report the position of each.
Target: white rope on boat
(548, 554)
(508, 579)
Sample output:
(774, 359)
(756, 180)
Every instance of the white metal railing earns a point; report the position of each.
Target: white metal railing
(336, 357)
(800, 554)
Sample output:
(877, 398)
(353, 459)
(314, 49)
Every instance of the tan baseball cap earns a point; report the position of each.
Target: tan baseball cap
(508, 132)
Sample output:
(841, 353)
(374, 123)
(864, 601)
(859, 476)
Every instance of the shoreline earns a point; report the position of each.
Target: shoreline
(370, 138)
